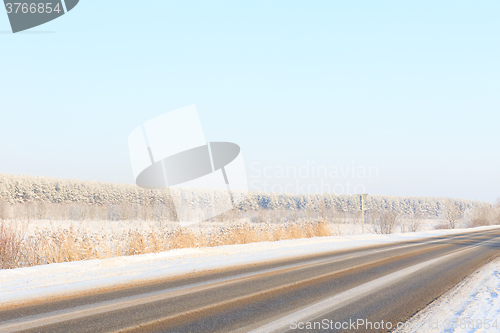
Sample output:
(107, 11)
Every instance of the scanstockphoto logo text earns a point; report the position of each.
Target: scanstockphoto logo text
(311, 178)
(27, 14)
(354, 325)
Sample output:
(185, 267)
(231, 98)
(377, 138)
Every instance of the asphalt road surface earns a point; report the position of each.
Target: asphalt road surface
(370, 289)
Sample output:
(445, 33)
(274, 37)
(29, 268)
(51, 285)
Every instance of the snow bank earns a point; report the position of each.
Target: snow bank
(471, 306)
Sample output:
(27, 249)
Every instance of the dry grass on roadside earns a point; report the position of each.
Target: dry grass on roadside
(10, 247)
(64, 245)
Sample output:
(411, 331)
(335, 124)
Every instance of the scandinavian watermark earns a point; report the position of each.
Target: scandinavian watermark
(205, 179)
(311, 178)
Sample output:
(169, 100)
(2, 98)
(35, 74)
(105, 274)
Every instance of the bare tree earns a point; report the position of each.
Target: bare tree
(385, 222)
(410, 222)
(497, 211)
(484, 214)
(452, 213)
(414, 223)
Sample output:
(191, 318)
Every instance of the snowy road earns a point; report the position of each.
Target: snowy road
(377, 285)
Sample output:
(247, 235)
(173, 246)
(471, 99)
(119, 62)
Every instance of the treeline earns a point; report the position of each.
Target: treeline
(27, 197)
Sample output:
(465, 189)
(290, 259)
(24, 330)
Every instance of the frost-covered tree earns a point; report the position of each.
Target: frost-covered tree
(452, 212)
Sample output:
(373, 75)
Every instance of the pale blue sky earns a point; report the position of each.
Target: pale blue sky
(409, 88)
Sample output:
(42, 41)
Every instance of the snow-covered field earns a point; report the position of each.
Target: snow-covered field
(342, 227)
(471, 306)
(25, 284)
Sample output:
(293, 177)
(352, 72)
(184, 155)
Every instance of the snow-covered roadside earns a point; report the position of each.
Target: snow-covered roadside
(111, 228)
(471, 306)
(26, 284)
(104, 227)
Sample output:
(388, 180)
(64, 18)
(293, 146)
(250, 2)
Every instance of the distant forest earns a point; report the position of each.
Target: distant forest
(27, 197)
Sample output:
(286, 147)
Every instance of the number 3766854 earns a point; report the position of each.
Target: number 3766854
(32, 8)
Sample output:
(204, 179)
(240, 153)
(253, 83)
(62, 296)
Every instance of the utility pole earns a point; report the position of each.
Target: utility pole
(363, 199)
